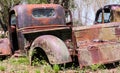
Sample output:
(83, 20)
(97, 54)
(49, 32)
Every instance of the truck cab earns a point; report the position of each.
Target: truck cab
(45, 28)
(107, 14)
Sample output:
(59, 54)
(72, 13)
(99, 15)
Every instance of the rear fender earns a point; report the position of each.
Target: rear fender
(55, 49)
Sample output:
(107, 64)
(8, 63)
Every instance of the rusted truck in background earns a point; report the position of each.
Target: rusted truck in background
(46, 31)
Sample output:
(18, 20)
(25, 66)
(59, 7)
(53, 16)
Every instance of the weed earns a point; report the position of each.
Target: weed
(2, 68)
(22, 60)
(2, 36)
(56, 68)
(96, 67)
(0, 59)
(84, 70)
(48, 69)
(36, 62)
(12, 71)
(37, 71)
(26, 71)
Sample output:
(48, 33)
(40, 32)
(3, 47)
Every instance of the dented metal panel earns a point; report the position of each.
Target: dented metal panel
(98, 44)
(55, 49)
(103, 32)
(35, 29)
(5, 47)
(99, 53)
(25, 14)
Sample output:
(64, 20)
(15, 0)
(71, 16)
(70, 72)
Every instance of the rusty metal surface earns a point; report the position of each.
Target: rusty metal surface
(27, 25)
(95, 44)
(55, 49)
(35, 29)
(105, 32)
(5, 47)
(99, 53)
(24, 14)
(98, 43)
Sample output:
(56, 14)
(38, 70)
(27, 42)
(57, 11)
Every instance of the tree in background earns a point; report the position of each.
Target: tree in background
(80, 8)
(35, 1)
(65, 3)
(6, 5)
(85, 10)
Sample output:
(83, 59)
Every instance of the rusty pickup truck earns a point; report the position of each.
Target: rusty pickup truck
(46, 31)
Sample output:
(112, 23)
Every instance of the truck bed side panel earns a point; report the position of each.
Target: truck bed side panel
(98, 43)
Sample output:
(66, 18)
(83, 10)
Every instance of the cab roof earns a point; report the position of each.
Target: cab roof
(32, 6)
(24, 13)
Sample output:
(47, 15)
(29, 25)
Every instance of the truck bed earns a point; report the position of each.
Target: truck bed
(98, 44)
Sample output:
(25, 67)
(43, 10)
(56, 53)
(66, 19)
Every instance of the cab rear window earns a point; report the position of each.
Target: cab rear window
(43, 13)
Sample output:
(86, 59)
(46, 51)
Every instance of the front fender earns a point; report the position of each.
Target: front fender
(55, 49)
(5, 48)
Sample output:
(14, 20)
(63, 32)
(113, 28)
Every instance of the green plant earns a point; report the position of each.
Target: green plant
(0, 59)
(2, 68)
(37, 71)
(2, 36)
(12, 71)
(21, 60)
(78, 70)
(36, 62)
(56, 68)
(48, 69)
(33, 52)
(26, 71)
(96, 66)
(37, 59)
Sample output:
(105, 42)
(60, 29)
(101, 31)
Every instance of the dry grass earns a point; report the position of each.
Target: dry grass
(21, 65)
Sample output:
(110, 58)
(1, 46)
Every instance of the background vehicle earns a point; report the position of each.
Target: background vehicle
(46, 31)
(107, 14)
